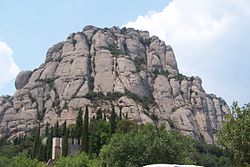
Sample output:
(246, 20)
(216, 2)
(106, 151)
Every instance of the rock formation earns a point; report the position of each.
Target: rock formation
(97, 67)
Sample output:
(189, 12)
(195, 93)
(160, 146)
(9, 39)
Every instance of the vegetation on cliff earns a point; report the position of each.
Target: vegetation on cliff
(129, 144)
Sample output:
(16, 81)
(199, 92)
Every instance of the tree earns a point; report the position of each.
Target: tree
(120, 113)
(79, 124)
(22, 161)
(41, 155)
(65, 143)
(64, 128)
(4, 161)
(105, 116)
(47, 129)
(91, 140)
(36, 143)
(234, 136)
(99, 114)
(49, 144)
(56, 130)
(112, 121)
(144, 146)
(72, 129)
(126, 125)
(8, 150)
(208, 155)
(99, 135)
(80, 160)
(85, 132)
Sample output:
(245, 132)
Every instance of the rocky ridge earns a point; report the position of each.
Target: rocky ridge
(97, 67)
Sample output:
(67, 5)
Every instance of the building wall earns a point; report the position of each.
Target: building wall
(73, 147)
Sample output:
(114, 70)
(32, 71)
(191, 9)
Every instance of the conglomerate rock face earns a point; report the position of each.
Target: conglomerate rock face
(126, 68)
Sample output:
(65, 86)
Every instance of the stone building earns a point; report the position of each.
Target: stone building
(56, 148)
(73, 147)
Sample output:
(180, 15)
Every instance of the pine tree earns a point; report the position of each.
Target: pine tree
(79, 124)
(112, 121)
(85, 138)
(65, 143)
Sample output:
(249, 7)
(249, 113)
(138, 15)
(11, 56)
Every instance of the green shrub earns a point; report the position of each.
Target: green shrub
(145, 101)
(146, 41)
(115, 51)
(138, 63)
(156, 72)
(80, 160)
(91, 95)
(49, 81)
(91, 83)
(124, 30)
(180, 77)
(125, 126)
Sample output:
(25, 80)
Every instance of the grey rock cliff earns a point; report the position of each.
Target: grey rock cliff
(91, 66)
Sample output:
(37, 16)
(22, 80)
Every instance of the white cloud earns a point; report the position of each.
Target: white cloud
(8, 68)
(210, 39)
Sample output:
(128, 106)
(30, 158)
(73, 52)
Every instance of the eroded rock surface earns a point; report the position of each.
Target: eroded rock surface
(106, 61)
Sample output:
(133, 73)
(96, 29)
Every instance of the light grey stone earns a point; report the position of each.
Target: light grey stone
(86, 62)
(22, 79)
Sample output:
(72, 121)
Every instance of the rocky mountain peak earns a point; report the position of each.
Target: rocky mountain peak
(100, 67)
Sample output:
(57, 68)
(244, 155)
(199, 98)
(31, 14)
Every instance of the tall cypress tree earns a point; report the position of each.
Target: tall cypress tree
(120, 113)
(44, 156)
(41, 154)
(49, 144)
(85, 137)
(65, 143)
(64, 128)
(126, 116)
(105, 116)
(56, 130)
(36, 143)
(91, 138)
(47, 129)
(79, 124)
(99, 114)
(112, 121)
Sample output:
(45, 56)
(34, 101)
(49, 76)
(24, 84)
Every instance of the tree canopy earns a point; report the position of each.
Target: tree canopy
(234, 136)
(145, 146)
(80, 160)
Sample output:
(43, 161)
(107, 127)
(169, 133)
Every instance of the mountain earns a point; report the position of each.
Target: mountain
(135, 72)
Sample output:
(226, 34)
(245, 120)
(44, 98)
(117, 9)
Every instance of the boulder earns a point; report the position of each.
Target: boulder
(22, 79)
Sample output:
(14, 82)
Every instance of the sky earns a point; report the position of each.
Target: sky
(210, 39)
